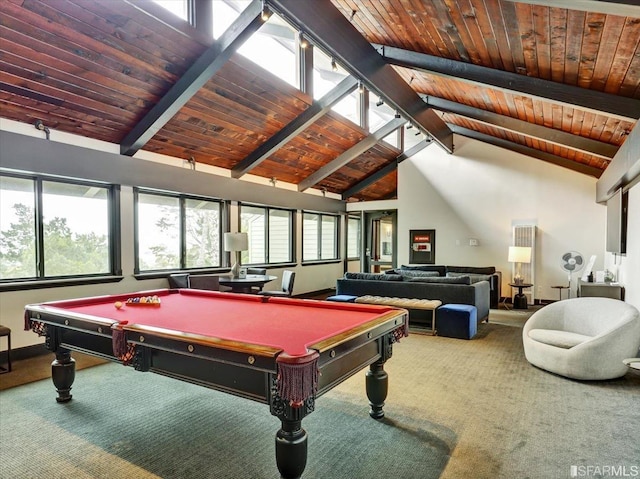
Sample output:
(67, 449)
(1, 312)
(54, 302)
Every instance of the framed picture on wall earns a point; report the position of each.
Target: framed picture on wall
(422, 246)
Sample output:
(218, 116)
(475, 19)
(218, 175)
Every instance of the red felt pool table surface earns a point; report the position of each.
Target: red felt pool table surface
(289, 325)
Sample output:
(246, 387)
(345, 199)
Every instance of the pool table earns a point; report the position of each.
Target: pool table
(283, 352)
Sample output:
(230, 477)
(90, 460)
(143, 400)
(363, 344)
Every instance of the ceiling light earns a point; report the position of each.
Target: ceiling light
(302, 41)
(360, 86)
(266, 13)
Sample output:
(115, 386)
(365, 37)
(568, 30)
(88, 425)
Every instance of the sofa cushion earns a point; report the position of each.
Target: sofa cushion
(559, 339)
(441, 279)
(471, 269)
(474, 277)
(373, 276)
(442, 270)
(408, 274)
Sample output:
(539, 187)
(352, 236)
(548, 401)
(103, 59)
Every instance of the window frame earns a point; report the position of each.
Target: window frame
(336, 243)
(292, 233)
(114, 274)
(357, 218)
(182, 225)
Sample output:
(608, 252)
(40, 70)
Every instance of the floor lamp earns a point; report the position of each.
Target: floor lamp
(235, 243)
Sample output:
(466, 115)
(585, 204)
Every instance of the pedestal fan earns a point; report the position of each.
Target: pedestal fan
(572, 262)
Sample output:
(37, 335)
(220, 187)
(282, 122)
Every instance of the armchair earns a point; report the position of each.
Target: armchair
(583, 338)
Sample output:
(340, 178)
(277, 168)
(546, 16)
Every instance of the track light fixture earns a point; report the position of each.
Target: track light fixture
(380, 102)
(266, 13)
(40, 126)
(353, 14)
(409, 126)
(360, 87)
(302, 41)
(334, 65)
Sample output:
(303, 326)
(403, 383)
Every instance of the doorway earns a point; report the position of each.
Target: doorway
(381, 241)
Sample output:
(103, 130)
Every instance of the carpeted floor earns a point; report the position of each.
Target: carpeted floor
(456, 409)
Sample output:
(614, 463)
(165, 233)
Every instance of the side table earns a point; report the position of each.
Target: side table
(520, 300)
(560, 288)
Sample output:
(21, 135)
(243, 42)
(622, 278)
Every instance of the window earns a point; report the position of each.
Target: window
(56, 229)
(177, 7)
(327, 73)
(319, 237)
(354, 235)
(379, 115)
(176, 232)
(270, 232)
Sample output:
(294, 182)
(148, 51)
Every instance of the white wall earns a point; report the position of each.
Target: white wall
(481, 191)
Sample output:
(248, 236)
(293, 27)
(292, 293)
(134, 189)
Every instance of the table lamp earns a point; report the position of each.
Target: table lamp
(519, 255)
(235, 243)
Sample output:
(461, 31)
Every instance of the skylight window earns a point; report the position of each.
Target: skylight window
(273, 48)
(327, 73)
(177, 7)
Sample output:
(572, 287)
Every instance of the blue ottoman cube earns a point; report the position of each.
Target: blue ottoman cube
(342, 298)
(457, 321)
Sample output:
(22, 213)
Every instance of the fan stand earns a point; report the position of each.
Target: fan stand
(569, 297)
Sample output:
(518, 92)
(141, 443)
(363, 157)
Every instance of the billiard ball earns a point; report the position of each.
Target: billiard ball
(118, 304)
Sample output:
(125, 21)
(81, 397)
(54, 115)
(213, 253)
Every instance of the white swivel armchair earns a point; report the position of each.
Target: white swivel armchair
(583, 338)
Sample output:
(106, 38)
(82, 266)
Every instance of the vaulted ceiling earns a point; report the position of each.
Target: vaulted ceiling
(555, 80)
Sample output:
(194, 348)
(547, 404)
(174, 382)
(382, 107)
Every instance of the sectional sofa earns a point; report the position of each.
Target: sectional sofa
(413, 283)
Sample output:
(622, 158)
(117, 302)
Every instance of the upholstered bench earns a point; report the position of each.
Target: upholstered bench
(457, 321)
(419, 309)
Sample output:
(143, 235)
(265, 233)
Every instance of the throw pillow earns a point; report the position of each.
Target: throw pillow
(408, 274)
(442, 280)
(373, 276)
(442, 270)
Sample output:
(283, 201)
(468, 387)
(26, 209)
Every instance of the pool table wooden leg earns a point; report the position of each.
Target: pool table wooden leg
(377, 384)
(291, 449)
(63, 373)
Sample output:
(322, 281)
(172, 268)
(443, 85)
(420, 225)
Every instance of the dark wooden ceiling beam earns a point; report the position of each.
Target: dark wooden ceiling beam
(525, 150)
(297, 126)
(532, 130)
(353, 152)
(628, 8)
(623, 108)
(623, 170)
(195, 78)
(385, 170)
(327, 28)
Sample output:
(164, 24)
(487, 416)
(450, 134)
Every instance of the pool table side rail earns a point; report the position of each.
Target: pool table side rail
(391, 320)
(208, 341)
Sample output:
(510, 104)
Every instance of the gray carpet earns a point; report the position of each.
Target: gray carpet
(456, 409)
(126, 424)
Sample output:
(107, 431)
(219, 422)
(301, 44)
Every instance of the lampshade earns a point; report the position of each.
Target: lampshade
(236, 242)
(519, 254)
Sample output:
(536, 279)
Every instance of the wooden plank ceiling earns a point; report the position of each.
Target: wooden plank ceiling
(97, 68)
